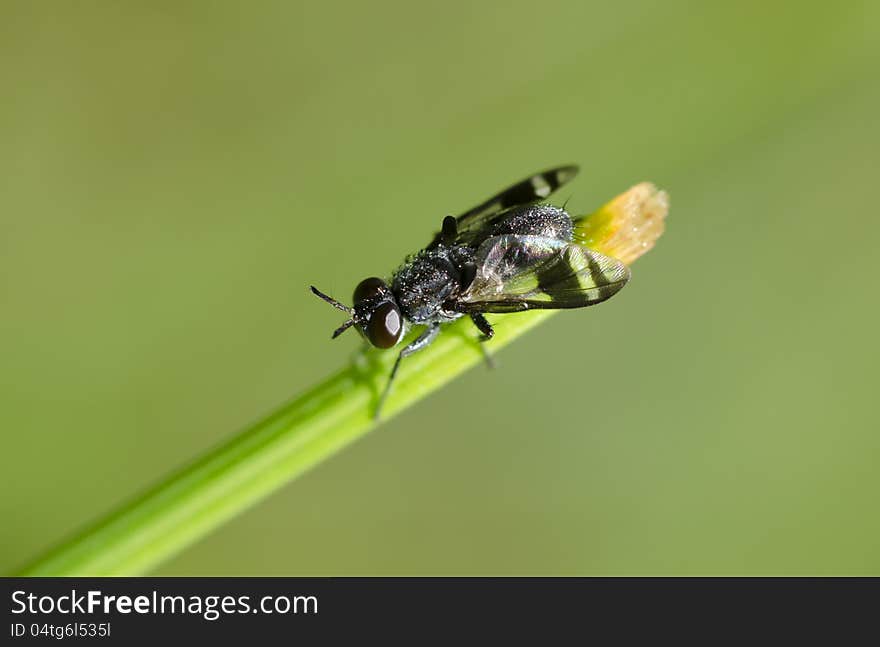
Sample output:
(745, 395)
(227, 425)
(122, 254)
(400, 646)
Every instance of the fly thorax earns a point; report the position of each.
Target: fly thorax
(423, 284)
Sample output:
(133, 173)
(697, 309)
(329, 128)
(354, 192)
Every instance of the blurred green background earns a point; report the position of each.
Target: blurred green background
(175, 174)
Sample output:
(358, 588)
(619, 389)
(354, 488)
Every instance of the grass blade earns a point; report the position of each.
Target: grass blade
(198, 498)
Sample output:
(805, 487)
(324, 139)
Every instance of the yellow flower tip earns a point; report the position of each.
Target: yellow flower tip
(627, 226)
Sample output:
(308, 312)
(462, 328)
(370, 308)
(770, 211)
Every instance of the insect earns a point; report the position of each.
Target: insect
(511, 253)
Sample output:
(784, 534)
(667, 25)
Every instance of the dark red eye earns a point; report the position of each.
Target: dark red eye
(386, 326)
(370, 288)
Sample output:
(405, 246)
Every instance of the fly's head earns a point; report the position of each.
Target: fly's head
(375, 313)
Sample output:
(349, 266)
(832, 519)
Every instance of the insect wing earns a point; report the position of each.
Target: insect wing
(536, 187)
(516, 273)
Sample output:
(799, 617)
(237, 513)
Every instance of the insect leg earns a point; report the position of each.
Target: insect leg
(488, 332)
(482, 323)
(417, 344)
(449, 231)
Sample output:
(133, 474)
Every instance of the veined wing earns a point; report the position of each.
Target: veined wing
(516, 273)
(539, 186)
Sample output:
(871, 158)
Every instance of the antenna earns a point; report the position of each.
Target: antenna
(333, 302)
(348, 324)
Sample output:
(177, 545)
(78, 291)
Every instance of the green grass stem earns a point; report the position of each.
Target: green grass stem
(198, 498)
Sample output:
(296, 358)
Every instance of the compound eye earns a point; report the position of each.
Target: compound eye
(386, 326)
(369, 289)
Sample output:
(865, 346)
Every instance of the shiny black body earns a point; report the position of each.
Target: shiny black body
(428, 284)
(508, 254)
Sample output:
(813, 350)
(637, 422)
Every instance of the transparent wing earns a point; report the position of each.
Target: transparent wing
(516, 273)
(536, 187)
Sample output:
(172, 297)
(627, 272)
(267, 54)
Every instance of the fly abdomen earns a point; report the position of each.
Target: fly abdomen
(535, 220)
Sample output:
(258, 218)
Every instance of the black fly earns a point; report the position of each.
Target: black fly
(510, 253)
